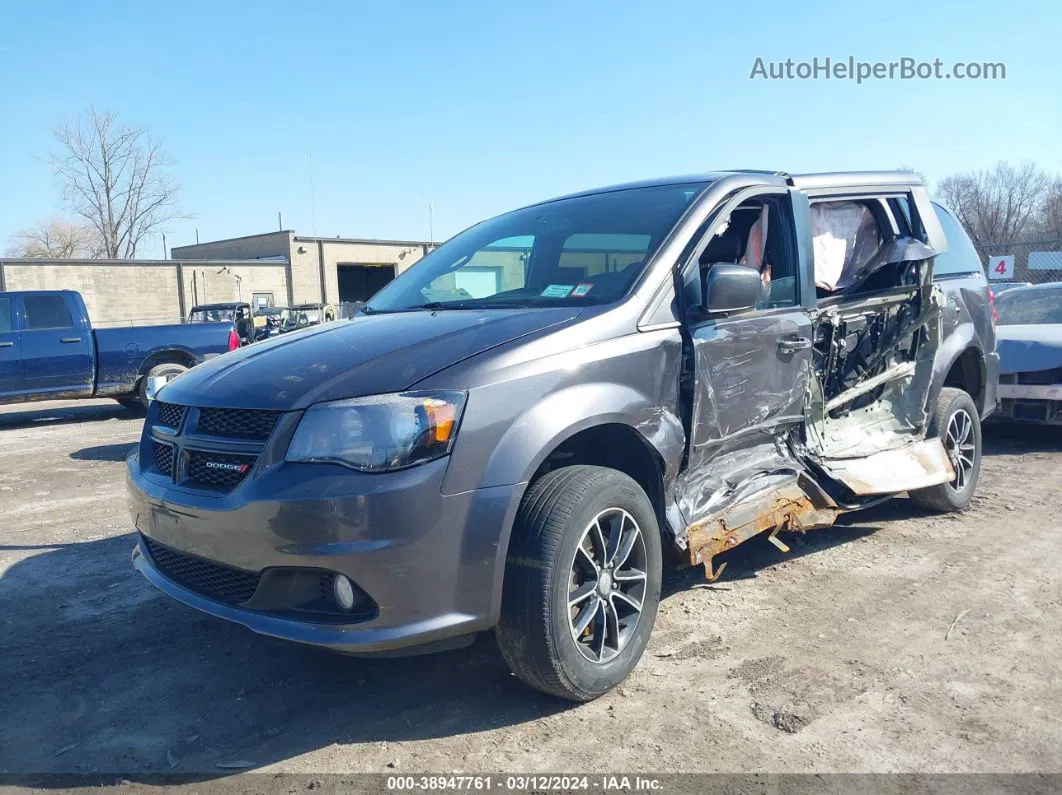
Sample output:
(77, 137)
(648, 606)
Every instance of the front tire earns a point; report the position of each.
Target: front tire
(582, 582)
(957, 423)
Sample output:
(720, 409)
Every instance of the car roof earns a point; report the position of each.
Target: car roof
(809, 181)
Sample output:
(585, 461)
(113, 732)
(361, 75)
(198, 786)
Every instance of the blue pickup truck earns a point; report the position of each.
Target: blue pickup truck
(49, 350)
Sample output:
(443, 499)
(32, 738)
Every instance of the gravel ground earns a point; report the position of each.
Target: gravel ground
(836, 657)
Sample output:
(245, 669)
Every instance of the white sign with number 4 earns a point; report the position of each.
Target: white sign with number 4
(1000, 268)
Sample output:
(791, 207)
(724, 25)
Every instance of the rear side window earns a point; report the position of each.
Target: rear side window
(961, 256)
(5, 315)
(46, 311)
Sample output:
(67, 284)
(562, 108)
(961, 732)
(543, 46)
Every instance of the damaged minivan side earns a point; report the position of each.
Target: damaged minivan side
(519, 430)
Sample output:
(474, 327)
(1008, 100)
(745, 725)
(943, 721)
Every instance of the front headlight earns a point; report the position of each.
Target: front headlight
(379, 433)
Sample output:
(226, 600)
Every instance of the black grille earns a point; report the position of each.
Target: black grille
(170, 414)
(242, 423)
(164, 458)
(217, 470)
(212, 580)
(324, 586)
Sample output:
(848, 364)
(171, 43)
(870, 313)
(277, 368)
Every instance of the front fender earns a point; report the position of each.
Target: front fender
(550, 423)
(527, 442)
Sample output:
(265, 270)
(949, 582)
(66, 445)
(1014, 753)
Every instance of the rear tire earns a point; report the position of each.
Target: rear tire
(561, 574)
(167, 370)
(957, 423)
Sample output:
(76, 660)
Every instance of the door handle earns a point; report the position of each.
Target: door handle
(7, 344)
(70, 339)
(793, 344)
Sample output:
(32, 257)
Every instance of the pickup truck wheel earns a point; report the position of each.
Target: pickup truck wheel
(957, 424)
(167, 370)
(582, 582)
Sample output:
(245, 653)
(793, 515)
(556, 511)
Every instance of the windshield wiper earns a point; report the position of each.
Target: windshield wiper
(435, 305)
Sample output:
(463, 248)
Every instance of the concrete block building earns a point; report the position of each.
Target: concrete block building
(123, 292)
(272, 269)
(326, 269)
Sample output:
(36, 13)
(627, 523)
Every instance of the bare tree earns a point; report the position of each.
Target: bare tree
(997, 205)
(1050, 226)
(115, 177)
(56, 237)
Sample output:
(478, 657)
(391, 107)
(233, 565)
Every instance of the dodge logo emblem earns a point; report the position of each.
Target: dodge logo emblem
(240, 468)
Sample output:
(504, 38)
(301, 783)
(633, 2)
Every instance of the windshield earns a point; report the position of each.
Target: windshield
(1029, 306)
(579, 251)
(211, 315)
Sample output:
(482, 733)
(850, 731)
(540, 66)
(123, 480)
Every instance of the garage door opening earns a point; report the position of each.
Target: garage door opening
(362, 282)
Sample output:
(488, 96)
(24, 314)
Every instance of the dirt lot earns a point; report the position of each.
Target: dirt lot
(836, 657)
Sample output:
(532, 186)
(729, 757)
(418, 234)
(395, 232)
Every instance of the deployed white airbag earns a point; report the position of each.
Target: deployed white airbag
(845, 236)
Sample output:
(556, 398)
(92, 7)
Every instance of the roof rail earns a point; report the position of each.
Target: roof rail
(783, 174)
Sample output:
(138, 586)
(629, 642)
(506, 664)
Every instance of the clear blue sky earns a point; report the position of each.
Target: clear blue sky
(482, 107)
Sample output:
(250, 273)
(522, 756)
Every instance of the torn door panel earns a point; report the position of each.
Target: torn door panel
(734, 475)
(864, 406)
(873, 359)
(742, 383)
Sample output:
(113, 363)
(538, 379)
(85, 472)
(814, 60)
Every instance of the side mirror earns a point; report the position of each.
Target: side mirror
(731, 288)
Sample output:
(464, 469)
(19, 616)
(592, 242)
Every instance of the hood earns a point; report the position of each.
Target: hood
(368, 355)
(1026, 349)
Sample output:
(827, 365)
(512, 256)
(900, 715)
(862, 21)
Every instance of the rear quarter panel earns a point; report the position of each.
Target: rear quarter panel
(967, 325)
(124, 355)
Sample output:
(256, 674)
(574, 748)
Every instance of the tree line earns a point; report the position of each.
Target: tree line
(1005, 204)
(117, 192)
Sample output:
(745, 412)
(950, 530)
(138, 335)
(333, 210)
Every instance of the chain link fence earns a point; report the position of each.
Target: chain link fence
(348, 308)
(1032, 262)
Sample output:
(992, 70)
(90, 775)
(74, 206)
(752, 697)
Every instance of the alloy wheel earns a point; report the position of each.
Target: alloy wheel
(607, 585)
(959, 443)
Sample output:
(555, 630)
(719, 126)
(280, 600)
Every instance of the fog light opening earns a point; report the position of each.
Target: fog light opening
(343, 591)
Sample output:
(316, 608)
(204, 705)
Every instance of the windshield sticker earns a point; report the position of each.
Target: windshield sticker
(557, 291)
(581, 290)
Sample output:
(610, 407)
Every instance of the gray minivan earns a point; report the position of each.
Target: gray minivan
(518, 431)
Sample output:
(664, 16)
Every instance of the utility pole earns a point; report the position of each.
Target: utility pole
(313, 210)
(165, 255)
(431, 223)
(280, 222)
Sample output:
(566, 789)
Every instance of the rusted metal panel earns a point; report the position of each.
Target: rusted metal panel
(786, 507)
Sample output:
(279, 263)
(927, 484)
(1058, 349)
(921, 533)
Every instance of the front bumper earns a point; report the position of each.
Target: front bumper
(1035, 403)
(432, 563)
